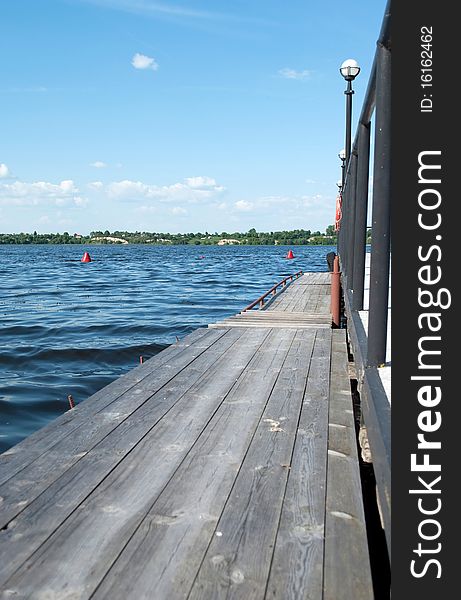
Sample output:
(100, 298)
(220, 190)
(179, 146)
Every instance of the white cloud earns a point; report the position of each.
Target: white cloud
(193, 189)
(288, 73)
(280, 207)
(4, 171)
(202, 183)
(39, 193)
(244, 206)
(67, 186)
(141, 61)
(128, 190)
(98, 164)
(277, 212)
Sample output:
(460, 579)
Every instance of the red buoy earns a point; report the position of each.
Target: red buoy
(86, 257)
(290, 254)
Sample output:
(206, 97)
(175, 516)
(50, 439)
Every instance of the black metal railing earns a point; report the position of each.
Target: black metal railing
(370, 345)
(353, 231)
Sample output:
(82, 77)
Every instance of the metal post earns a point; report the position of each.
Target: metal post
(380, 257)
(361, 206)
(339, 235)
(352, 185)
(344, 230)
(349, 92)
(346, 191)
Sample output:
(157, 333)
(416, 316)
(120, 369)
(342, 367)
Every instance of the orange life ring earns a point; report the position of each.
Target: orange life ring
(339, 213)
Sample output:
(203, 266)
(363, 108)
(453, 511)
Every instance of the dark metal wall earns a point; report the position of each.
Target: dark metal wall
(369, 347)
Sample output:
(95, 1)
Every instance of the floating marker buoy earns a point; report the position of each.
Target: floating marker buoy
(86, 257)
(290, 254)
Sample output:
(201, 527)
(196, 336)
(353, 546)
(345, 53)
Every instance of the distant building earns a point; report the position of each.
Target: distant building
(228, 242)
(109, 238)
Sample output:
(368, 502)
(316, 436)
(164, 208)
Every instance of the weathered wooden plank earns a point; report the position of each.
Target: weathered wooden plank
(315, 278)
(290, 301)
(301, 300)
(267, 322)
(283, 322)
(164, 555)
(301, 309)
(290, 298)
(298, 308)
(308, 278)
(310, 283)
(284, 296)
(297, 565)
(231, 324)
(141, 454)
(181, 485)
(30, 481)
(237, 562)
(347, 566)
(306, 300)
(272, 314)
(277, 318)
(22, 454)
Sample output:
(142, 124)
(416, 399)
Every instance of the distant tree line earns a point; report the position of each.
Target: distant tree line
(296, 237)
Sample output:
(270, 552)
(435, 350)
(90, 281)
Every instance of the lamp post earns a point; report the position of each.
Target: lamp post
(349, 70)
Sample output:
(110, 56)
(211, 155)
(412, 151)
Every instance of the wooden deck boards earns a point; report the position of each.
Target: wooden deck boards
(207, 472)
(309, 293)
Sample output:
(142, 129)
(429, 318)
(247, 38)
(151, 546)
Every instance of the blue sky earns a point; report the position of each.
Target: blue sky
(195, 115)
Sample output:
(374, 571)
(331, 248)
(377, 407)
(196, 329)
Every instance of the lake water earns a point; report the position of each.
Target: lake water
(68, 327)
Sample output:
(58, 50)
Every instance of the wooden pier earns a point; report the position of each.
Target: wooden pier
(224, 467)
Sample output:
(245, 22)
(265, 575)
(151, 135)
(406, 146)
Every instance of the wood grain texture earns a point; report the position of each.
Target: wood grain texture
(297, 565)
(347, 567)
(166, 551)
(304, 294)
(224, 467)
(255, 325)
(237, 562)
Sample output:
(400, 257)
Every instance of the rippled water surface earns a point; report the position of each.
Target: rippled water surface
(68, 327)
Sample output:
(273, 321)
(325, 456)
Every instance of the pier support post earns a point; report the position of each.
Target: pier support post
(336, 293)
